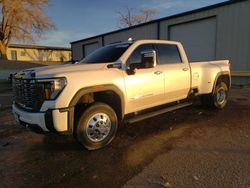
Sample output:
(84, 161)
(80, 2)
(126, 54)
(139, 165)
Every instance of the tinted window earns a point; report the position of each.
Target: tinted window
(167, 54)
(106, 54)
(135, 57)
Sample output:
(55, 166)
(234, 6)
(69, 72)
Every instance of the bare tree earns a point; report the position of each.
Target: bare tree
(22, 20)
(128, 17)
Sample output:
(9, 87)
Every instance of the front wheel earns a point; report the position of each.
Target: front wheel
(97, 126)
(218, 99)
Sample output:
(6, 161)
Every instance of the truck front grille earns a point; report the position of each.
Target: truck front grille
(28, 94)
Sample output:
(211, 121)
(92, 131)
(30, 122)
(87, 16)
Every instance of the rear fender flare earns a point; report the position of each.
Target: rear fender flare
(223, 73)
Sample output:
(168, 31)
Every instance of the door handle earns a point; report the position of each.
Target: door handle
(157, 72)
(185, 69)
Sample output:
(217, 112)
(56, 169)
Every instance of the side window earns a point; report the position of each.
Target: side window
(168, 54)
(135, 57)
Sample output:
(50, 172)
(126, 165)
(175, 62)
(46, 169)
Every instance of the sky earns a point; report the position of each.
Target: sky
(79, 19)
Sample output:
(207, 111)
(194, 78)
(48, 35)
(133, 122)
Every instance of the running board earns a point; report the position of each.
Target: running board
(156, 113)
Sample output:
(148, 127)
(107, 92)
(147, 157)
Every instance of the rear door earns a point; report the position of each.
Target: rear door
(176, 72)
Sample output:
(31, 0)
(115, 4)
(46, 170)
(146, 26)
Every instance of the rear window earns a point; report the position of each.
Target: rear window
(168, 54)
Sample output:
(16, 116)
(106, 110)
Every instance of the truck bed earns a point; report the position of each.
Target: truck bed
(201, 74)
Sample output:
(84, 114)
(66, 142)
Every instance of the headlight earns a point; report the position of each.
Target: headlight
(52, 87)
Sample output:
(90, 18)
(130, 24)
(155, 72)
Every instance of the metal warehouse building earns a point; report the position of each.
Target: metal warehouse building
(220, 31)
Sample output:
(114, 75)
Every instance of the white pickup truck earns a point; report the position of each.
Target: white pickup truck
(127, 81)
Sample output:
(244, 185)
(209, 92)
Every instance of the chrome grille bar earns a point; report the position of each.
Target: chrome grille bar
(28, 94)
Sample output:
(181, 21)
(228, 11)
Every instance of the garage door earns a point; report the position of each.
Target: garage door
(198, 38)
(89, 48)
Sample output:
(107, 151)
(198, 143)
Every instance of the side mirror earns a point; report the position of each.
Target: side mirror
(131, 70)
(148, 59)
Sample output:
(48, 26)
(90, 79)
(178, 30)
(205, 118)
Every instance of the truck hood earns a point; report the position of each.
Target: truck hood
(50, 71)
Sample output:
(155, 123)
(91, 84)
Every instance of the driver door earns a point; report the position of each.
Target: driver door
(145, 88)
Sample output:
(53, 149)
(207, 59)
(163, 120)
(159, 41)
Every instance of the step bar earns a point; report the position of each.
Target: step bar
(158, 112)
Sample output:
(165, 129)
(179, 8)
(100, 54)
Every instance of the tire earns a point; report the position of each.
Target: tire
(218, 99)
(97, 126)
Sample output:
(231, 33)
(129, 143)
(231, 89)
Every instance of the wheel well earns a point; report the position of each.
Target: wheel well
(109, 97)
(225, 79)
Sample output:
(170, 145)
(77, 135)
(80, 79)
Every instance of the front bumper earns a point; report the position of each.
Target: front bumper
(49, 121)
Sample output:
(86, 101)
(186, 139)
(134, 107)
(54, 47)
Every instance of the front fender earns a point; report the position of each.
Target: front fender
(92, 89)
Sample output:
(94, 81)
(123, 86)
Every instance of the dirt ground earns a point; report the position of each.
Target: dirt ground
(191, 147)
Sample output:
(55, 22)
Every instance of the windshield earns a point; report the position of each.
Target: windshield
(106, 54)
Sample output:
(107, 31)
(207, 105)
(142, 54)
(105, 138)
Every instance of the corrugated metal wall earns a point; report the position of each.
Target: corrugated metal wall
(197, 37)
(144, 32)
(232, 35)
(78, 48)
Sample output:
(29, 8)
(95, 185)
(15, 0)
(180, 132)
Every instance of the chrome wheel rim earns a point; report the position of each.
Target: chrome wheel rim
(98, 127)
(221, 96)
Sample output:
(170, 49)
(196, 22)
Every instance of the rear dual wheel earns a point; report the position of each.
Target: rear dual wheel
(218, 99)
(97, 126)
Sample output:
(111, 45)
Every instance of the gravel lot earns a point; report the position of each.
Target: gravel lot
(191, 147)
